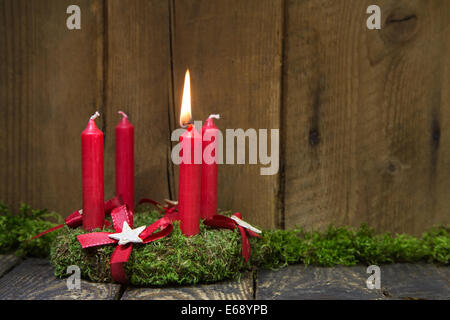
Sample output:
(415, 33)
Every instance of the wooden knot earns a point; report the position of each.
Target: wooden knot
(393, 166)
(400, 26)
(435, 133)
(314, 137)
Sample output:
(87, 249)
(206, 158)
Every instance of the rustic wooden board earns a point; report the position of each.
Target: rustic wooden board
(7, 262)
(138, 82)
(33, 279)
(51, 84)
(414, 281)
(364, 114)
(233, 50)
(228, 290)
(298, 282)
(445, 271)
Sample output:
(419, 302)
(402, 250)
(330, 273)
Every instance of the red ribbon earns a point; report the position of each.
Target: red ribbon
(75, 219)
(220, 221)
(169, 208)
(122, 252)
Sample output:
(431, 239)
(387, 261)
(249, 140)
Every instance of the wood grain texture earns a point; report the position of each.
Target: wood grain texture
(50, 84)
(298, 282)
(33, 279)
(138, 82)
(7, 262)
(227, 290)
(415, 281)
(233, 51)
(445, 271)
(366, 113)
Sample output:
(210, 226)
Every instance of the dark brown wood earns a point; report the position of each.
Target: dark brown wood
(233, 50)
(228, 290)
(415, 281)
(365, 114)
(33, 279)
(7, 262)
(138, 82)
(51, 84)
(315, 283)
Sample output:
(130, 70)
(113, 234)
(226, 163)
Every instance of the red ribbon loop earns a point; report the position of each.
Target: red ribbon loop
(220, 221)
(113, 203)
(75, 219)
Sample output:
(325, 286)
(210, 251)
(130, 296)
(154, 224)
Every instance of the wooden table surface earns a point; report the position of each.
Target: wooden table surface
(32, 278)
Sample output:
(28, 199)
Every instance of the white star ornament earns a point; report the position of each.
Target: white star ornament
(128, 235)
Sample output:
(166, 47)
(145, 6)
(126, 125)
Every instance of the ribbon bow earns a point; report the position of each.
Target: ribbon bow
(123, 219)
(246, 230)
(75, 219)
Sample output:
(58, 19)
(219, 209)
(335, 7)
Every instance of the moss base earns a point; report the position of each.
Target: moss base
(210, 256)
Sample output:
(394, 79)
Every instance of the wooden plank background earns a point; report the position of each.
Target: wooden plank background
(363, 114)
(51, 79)
(366, 115)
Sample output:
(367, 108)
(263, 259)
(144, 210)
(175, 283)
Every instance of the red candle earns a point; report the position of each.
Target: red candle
(208, 205)
(92, 175)
(190, 175)
(125, 161)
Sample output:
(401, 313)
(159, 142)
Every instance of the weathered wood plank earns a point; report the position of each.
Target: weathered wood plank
(228, 290)
(414, 281)
(315, 283)
(7, 262)
(365, 114)
(233, 50)
(33, 279)
(138, 82)
(445, 271)
(50, 84)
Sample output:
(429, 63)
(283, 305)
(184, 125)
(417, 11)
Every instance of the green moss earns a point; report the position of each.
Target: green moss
(342, 246)
(215, 254)
(16, 229)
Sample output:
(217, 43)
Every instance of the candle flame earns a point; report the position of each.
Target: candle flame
(186, 115)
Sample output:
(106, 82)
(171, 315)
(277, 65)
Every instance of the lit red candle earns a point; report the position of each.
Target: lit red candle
(190, 179)
(208, 204)
(125, 161)
(92, 175)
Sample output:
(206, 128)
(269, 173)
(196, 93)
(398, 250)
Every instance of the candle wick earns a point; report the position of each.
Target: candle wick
(123, 114)
(95, 115)
(186, 124)
(215, 116)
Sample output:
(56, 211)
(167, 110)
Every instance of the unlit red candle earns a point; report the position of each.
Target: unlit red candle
(125, 161)
(208, 205)
(92, 175)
